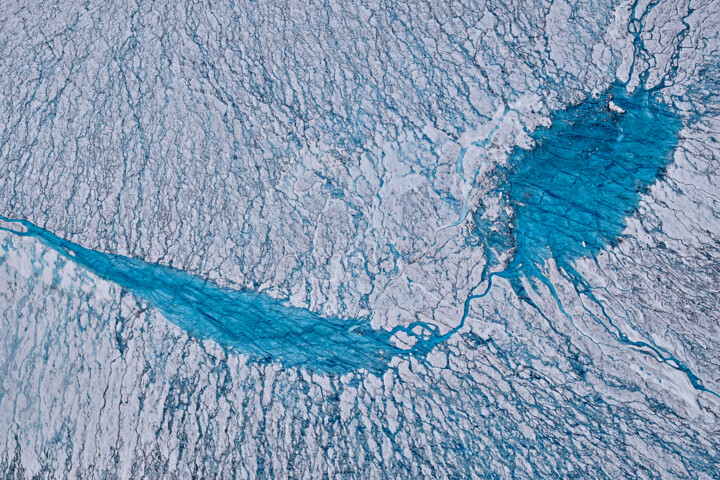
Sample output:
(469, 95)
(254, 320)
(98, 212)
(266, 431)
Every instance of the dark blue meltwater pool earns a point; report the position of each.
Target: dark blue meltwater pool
(572, 193)
(251, 323)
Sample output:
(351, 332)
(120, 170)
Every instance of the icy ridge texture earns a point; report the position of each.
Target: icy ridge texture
(377, 166)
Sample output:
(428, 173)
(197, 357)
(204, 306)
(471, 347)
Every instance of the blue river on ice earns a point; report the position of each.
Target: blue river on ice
(571, 195)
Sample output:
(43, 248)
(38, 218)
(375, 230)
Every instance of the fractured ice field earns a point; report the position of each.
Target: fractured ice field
(360, 240)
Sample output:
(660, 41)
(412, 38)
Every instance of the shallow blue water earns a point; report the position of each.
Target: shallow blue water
(572, 193)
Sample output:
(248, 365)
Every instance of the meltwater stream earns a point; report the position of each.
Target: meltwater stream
(570, 197)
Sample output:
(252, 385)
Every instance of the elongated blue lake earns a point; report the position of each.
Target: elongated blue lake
(251, 323)
(571, 195)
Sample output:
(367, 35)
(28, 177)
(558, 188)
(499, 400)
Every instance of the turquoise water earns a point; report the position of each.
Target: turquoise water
(572, 193)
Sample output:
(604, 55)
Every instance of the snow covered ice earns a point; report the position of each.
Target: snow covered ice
(360, 240)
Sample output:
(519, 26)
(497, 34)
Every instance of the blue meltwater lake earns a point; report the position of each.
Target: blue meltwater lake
(571, 195)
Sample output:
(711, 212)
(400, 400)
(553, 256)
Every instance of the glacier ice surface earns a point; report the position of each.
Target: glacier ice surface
(359, 239)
